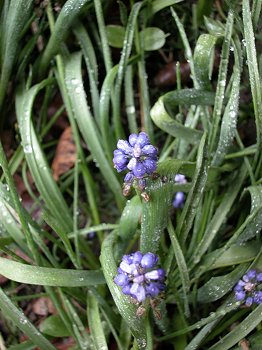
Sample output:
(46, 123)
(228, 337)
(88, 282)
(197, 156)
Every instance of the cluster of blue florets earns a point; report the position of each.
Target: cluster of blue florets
(136, 155)
(248, 288)
(138, 277)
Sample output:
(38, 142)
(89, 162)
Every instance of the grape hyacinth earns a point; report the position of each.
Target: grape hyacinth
(137, 155)
(138, 277)
(247, 289)
(179, 199)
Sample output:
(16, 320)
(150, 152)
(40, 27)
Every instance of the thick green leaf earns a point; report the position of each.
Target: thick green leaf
(157, 5)
(45, 276)
(125, 307)
(217, 287)
(115, 35)
(130, 218)
(215, 28)
(22, 322)
(236, 254)
(54, 326)
(152, 38)
(155, 214)
(163, 120)
(203, 58)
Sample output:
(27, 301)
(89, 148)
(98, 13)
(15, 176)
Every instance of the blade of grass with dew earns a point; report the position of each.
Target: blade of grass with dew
(219, 286)
(130, 101)
(240, 331)
(91, 63)
(188, 52)
(163, 120)
(220, 215)
(221, 83)
(49, 276)
(86, 122)
(229, 120)
(195, 194)
(126, 309)
(22, 322)
(126, 51)
(254, 77)
(203, 54)
(155, 213)
(108, 140)
(157, 5)
(146, 122)
(181, 263)
(81, 335)
(254, 227)
(95, 323)
(236, 254)
(19, 12)
(103, 36)
(70, 11)
(35, 158)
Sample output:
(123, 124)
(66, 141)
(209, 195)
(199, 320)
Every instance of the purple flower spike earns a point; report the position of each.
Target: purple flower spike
(136, 278)
(137, 155)
(248, 290)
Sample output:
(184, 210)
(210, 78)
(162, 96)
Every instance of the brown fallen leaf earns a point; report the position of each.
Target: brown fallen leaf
(65, 155)
(43, 306)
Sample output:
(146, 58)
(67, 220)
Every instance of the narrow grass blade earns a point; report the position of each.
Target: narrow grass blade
(126, 51)
(240, 331)
(22, 322)
(91, 63)
(74, 83)
(195, 194)
(229, 121)
(254, 227)
(95, 323)
(45, 276)
(125, 307)
(18, 14)
(221, 83)
(254, 77)
(218, 286)
(181, 263)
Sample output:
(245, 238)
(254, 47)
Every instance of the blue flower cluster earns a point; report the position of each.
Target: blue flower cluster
(247, 290)
(138, 277)
(179, 199)
(137, 155)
